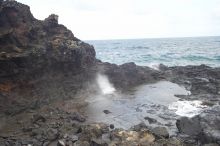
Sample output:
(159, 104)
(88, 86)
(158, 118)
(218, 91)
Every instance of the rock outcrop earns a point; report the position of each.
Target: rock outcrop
(29, 45)
(129, 74)
(198, 79)
(37, 55)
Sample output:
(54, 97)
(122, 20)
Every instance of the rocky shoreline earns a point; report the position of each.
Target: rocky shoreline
(46, 72)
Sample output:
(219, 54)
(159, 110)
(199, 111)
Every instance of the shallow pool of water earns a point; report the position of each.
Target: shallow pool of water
(133, 107)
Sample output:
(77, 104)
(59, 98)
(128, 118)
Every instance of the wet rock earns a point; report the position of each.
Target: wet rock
(77, 117)
(189, 126)
(140, 126)
(150, 120)
(106, 111)
(111, 126)
(129, 74)
(163, 67)
(205, 126)
(160, 132)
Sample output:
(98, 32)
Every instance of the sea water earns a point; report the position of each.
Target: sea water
(168, 51)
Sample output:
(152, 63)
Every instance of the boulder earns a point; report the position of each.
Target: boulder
(160, 132)
(106, 111)
(206, 126)
(77, 117)
(189, 126)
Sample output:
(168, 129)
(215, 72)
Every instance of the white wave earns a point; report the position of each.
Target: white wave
(187, 108)
(105, 86)
(154, 65)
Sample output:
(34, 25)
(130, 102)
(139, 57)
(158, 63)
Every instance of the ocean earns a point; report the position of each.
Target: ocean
(168, 51)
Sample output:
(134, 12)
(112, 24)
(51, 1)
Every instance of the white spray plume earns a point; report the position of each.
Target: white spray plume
(104, 84)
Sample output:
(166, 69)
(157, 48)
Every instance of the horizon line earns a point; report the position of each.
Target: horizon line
(152, 38)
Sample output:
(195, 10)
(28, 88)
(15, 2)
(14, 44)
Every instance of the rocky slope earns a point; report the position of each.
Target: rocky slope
(42, 64)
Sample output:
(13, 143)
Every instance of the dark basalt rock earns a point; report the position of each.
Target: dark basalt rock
(129, 74)
(150, 120)
(77, 117)
(206, 126)
(198, 79)
(189, 126)
(37, 58)
(160, 132)
(106, 111)
(29, 45)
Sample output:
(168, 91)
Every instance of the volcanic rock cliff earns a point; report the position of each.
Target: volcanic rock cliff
(37, 55)
(29, 45)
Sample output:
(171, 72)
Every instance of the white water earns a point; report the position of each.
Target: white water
(187, 108)
(105, 86)
(154, 65)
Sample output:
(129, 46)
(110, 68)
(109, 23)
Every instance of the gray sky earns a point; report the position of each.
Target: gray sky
(123, 19)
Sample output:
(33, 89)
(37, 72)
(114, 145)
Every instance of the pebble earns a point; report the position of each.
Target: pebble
(112, 126)
(106, 111)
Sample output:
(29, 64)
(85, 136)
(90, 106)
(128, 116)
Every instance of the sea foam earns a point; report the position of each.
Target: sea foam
(187, 108)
